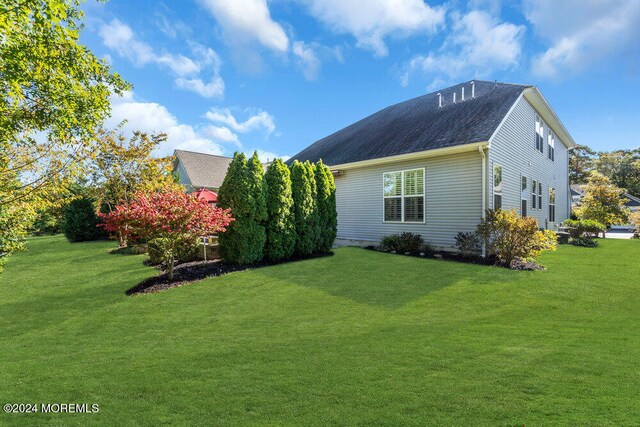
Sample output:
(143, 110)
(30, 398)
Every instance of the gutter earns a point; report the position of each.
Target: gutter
(465, 148)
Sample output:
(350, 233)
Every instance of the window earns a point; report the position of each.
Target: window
(539, 134)
(403, 193)
(534, 195)
(552, 204)
(523, 196)
(551, 149)
(497, 187)
(539, 195)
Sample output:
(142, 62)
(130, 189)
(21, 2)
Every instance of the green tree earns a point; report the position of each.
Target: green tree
(54, 94)
(81, 220)
(326, 201)
(280, 228)
(304, 208)
(603, 201)
(622, 167)
(121, 166)
(314, 218)
(243, 241)
(581, 163)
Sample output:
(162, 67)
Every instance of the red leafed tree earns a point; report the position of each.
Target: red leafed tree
(118, 221)
(171, 218)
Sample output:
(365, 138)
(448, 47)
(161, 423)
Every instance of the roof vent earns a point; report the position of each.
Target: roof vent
(462, 97)
(473, 89)
(439, 100)
(454, 97)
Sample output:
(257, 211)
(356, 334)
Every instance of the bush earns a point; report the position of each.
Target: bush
(242, 192)
(280, 228)
(507, 235)
(327, 215)
(584, 227)
(304, 208)
(187, 250)
(402, 243)
(587, 242)
(634, 219)
(81, 221)
(469, 244)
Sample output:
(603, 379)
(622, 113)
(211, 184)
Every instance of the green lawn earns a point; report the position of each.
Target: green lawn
(357, 338)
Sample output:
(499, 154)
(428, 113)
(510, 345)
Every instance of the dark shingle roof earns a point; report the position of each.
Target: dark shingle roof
(203, 170)
(419, 125)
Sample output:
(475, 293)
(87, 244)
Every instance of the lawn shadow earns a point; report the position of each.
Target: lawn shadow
(382, 279)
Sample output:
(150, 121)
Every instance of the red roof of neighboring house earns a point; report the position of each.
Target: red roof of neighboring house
(208, 195)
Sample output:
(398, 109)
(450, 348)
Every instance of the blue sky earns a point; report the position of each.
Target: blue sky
(275, 76)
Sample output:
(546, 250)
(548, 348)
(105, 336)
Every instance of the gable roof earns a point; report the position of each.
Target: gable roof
(203, 170)
(419, 124)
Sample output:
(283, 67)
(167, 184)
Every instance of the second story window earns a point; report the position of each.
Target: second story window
(539, 134)
(551, 149)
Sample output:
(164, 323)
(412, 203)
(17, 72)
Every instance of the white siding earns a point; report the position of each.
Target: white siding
(453, 200)
(513, 147)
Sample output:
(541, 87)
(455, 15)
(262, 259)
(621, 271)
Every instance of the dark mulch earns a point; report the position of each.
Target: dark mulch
(450, 256)
(190, 272)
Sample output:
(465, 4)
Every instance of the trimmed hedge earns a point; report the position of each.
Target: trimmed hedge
(242, 192)
(326, 200)
(280, 227)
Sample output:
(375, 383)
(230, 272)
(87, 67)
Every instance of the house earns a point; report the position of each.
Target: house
(433, 164)
(199, 170)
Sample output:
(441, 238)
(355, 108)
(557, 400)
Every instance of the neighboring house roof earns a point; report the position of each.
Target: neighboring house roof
(203, 170)
(577, 189)
(208, 195)
(419, 124)
(633, 201)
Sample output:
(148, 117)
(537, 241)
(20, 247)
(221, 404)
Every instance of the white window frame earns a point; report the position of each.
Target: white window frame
(534, 194)
(539, 132)
(403, 196)
(551, 189)
(493, 182)
(523, 194)
(551, 146)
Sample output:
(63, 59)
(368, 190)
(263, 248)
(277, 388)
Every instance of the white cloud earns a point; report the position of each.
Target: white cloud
(222, 133)
(582, 32)
(478, 45)
(261, 119)
(154, 117)
(267, 156)
(247, 21)
(370, 22)
(213, 89)
(307, 59)
(120, 38)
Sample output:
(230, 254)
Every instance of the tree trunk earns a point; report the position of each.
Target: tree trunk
(170, 263)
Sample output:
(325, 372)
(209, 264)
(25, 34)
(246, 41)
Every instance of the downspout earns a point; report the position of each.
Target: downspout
(484, 191)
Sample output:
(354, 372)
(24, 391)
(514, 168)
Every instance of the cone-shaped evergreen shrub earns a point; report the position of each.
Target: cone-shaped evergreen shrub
(326, 200)
(304, 208)
(241, 191)
(81, 221)
(280, 228)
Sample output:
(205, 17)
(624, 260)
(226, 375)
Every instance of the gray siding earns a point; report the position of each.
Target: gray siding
(453, 200)
(513, 147)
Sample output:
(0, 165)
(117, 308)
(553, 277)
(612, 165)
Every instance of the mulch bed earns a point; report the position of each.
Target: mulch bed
(190, 272)
(451, 256)
(517, 264)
